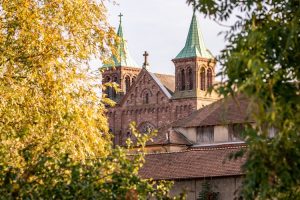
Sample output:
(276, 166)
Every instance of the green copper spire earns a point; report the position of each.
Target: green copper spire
(120, 30)
(124, 55)
(194, 45)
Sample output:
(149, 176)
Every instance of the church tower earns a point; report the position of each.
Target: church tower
(122, 70)
(194, 69)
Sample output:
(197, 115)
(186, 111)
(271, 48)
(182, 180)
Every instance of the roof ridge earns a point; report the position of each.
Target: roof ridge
(164, 74)
(219, 147)
(222, 146)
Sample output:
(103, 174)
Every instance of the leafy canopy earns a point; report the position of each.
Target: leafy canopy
(48, 99)
(261, 61)
(54, 140)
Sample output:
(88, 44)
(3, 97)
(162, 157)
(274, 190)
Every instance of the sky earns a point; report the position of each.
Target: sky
(161, 27)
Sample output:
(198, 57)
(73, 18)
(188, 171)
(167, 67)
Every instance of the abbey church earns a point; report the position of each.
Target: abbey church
(197, 130)
(154, 100)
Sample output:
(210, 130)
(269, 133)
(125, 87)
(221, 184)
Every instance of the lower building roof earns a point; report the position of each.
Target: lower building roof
(201, 162)
(224, 111)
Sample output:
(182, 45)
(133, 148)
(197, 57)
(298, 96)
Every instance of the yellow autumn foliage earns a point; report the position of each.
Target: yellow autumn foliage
(49, 103)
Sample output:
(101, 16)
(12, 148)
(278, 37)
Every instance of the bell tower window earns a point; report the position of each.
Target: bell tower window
(202, 81)
(108, 90)
(114, 93)
(190, 73)
(127, 83)
(182, 82)
(209, 78)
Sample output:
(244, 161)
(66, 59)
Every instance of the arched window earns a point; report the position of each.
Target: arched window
(107, 79)
(127, 83)
(182, 81)
(146, 100)
(190, 79)
(108, 90)
(128, 134)
(202, 76)
(209, 78)
(114, 93)
(115, 79)
(146, 94)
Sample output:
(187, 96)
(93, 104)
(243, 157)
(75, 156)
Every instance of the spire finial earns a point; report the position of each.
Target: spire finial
(146, 64)
(194, 7)
(120, 16)
(120, 32)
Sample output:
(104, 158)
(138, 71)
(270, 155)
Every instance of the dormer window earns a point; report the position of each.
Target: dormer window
(205, 134)
(235, 131)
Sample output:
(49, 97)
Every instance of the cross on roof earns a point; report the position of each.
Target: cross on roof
(146, 59)
(194, 7)
(120, 15)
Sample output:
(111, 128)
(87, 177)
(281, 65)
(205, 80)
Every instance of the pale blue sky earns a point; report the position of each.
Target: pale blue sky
(161, 27)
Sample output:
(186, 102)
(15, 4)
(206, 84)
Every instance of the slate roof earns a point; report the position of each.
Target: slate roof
(209, 161)
(168, 81)
(160, 84)
(223, 111)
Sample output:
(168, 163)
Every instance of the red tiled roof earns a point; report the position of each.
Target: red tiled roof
(197, 162)
(168, 81)
(223, 111)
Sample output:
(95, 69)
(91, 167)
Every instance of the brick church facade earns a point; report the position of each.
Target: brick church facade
(155, 100)
(197, 130)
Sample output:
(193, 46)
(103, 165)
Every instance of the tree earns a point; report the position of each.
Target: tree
(54, 134)
(261, 61)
